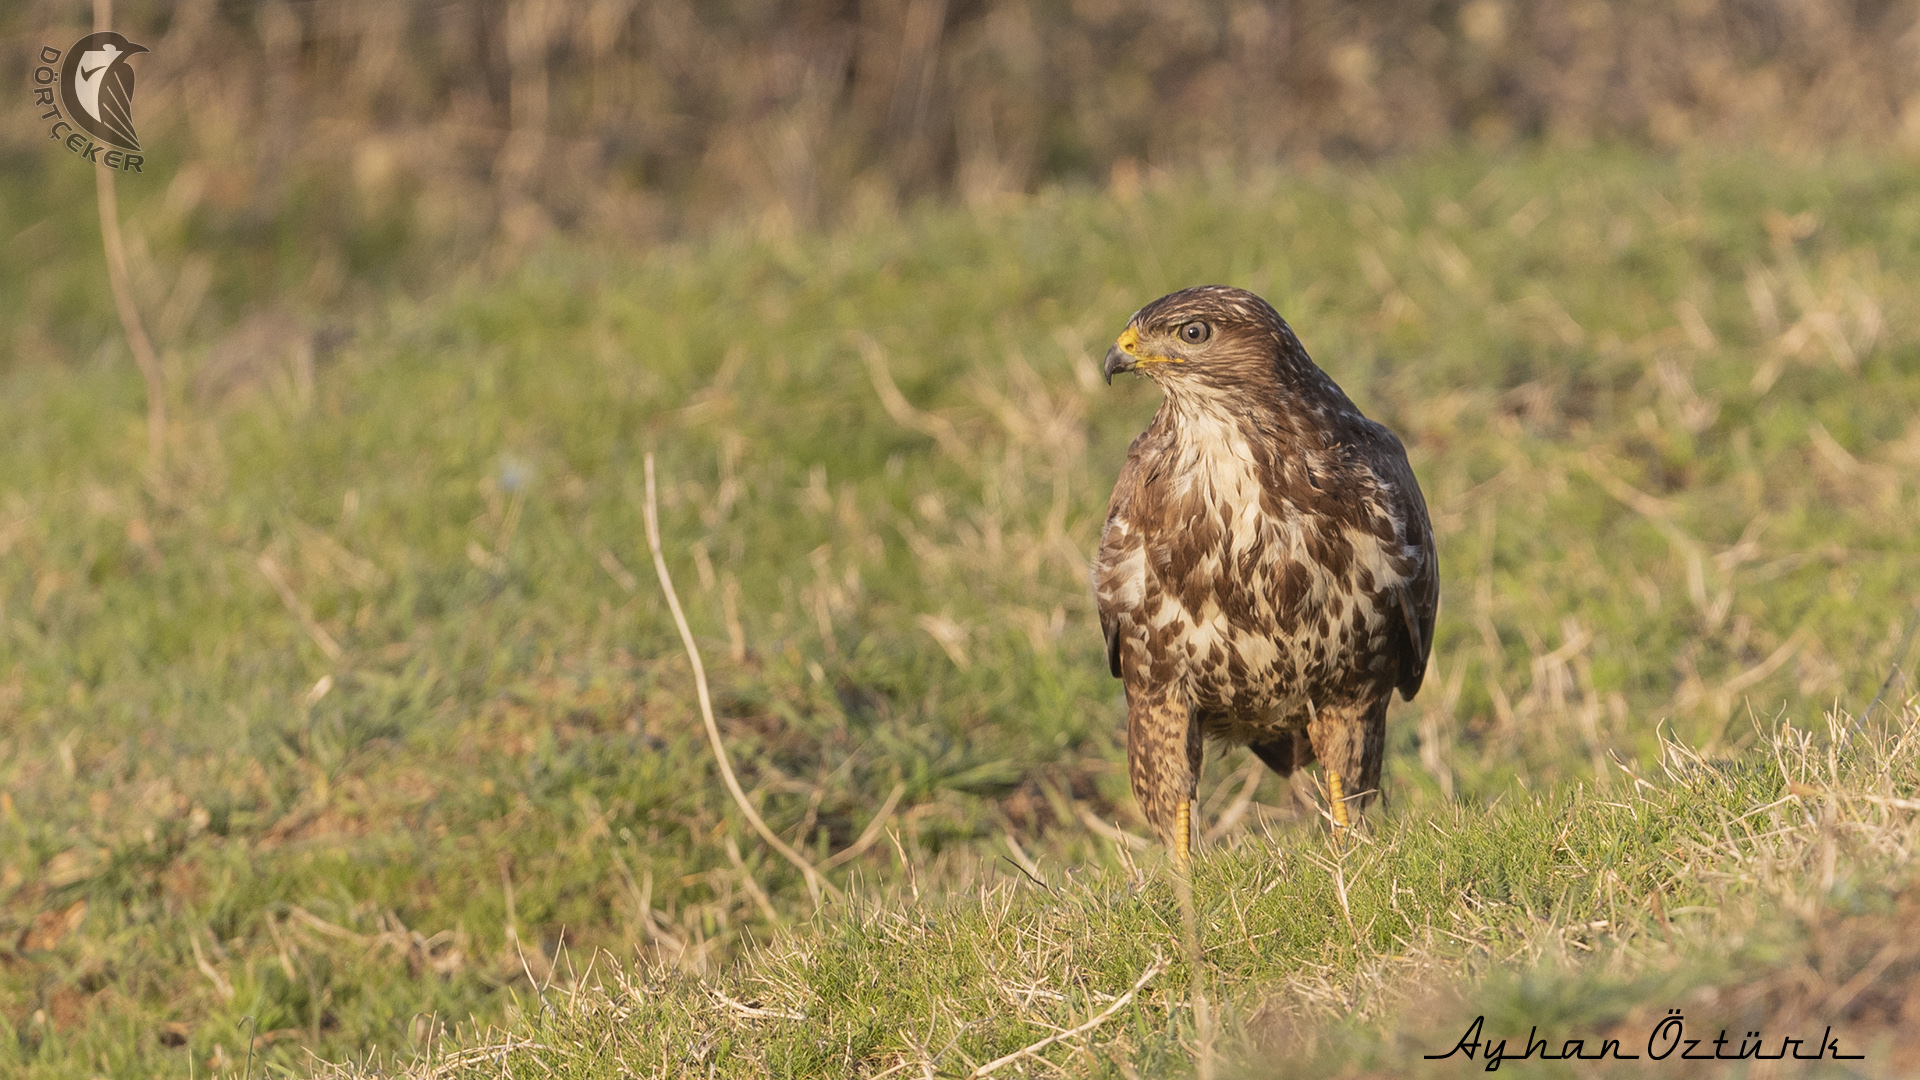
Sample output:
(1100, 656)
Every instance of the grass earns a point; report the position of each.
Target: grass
(1323, 955)
(365, 721)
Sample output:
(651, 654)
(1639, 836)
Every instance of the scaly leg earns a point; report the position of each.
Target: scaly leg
(1163, 764)
(1350, 740)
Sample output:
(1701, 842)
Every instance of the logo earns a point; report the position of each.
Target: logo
(92, 89)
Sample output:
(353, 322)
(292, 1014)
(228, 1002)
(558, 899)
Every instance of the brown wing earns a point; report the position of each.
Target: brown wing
(1121, 578)
(1419, 600)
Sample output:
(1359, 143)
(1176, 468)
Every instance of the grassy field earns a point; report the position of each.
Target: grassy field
(360, 729)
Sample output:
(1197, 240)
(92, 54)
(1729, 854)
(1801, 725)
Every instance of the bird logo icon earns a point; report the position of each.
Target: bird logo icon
(96, 84)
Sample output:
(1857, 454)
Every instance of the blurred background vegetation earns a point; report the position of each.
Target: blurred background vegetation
(361, 717)
(324, 147)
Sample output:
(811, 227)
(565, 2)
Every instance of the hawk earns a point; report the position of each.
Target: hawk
(1266, 575)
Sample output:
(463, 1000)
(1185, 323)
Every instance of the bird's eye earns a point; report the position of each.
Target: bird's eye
(1195, 332)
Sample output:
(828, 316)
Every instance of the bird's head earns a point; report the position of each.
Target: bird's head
(114, 45)
(1209, 335)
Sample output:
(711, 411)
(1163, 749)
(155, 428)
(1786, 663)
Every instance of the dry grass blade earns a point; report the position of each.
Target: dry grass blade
(221, 983)
(871, 834)
(1242, 802)
(1659, 511)
(1692, 695)
(1888, 801)
(1111, 832)
(1767, 666)
(620, 574)
(1119, 1003)
(753, 888)
(122, 286)
(815, 883)
(937, 428)
(1900, 654)
(327, 928)
(755, 1012)
(297, 608)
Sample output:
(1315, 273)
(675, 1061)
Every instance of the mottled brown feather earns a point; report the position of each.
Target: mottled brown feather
(1267, 573)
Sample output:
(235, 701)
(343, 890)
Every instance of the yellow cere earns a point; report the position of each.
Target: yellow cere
(1129, 343)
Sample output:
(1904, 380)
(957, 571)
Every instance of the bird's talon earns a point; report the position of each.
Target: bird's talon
(1337, 797)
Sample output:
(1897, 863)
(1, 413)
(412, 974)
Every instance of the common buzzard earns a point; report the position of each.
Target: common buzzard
(1267, 575)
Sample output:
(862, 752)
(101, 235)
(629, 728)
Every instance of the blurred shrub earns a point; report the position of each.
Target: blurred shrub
(348, 131)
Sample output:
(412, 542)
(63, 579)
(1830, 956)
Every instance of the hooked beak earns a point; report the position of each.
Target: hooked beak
(1124, 356)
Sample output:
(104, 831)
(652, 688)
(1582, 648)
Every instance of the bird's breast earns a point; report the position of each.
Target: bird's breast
(1270, 596)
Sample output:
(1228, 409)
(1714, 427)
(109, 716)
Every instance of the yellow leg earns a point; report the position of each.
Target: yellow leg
(1337, 797)
(1182, 837)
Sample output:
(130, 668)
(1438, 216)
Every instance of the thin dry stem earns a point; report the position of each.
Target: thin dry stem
(937, 428)
(815, 882)
(220, 982)
(270, 570)
(872, 832)
(1119, 1003)
(1242, 801)
(1114, 833)
(136, 331)
(752, 886)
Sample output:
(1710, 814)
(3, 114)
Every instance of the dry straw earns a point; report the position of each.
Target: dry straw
(117, 280)
(1033, 1049)
(815, 883)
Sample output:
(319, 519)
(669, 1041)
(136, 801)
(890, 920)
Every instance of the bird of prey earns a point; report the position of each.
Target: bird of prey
(1266, 575)
(97, 83)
